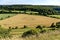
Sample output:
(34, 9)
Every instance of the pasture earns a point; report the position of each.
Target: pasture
(55, 16)
(4, 16)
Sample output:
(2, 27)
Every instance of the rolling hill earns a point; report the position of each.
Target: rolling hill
(29, 20)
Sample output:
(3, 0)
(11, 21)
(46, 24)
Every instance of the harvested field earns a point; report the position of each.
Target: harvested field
(29, 20)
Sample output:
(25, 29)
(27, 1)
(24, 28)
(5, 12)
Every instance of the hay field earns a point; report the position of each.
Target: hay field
(29, 20)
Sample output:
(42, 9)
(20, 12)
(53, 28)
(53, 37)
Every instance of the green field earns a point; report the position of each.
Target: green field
(19, 31)
(4, 16)
(55, 16)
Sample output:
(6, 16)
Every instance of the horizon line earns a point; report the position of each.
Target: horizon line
(30, 4)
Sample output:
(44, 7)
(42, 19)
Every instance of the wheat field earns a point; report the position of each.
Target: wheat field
(29, 20)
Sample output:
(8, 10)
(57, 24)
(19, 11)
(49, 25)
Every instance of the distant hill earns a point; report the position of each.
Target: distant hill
(45, 9)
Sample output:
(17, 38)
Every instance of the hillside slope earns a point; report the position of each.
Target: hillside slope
(29, 20)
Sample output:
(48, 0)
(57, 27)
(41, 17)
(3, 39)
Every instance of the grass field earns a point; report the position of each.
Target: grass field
(31, 21)
(4, 16)
(55, 16)
(48, 35)
(19, 31)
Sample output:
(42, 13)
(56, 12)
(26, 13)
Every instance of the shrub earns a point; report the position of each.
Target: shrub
(8, 16)
(0, 25)
(13, 28)
(53, 16)
(52, 29)
(39, 27)
(16, 27)
(1, 19)
(25, 26)
(52, 25)
(29, 33)
(4, 33)
(9, 29)
(58, 24)
(42, 31)
(30, 13)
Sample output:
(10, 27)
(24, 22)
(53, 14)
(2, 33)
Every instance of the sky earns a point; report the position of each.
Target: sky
(31, 2)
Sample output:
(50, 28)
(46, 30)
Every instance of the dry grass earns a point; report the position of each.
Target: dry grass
(28, 20)
(52, 35)
(46, 36)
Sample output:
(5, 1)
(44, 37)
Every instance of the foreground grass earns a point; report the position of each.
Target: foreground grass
(16, 33)
(51, 35)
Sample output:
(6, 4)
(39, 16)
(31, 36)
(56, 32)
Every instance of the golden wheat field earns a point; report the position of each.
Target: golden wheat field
(29, 20)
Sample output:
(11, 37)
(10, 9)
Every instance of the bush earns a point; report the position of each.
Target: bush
(8, 16)
(42, 31)
(29, 33)
(16, 27)
(58, 24)
(52, 25)
(4, 33)
(25, 26)
(9, 29)
(44, 26)
(39, 27)
(1, 18)
(30, 13)
(13, 28)
(0, 26)
(52, 29)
